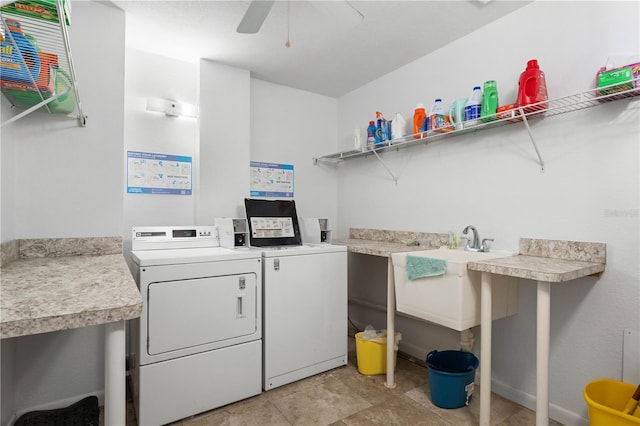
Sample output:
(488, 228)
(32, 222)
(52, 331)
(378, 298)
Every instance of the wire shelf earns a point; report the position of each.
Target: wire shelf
(549, 108)
(43, 81)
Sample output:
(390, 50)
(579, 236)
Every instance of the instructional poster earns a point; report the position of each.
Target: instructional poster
(271, 180)
(272, 227)
(151, 173)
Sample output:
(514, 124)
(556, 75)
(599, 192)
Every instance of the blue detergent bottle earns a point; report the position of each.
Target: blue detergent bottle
(383, 130)
(371, 134)
(473, 107)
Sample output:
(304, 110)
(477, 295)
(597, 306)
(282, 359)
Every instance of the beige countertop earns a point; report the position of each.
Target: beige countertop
(377, 242)
(45, 292)
(538, 268)
(542, 260)
(548, 260)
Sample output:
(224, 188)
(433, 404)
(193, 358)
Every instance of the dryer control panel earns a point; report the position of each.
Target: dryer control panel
(172, 237)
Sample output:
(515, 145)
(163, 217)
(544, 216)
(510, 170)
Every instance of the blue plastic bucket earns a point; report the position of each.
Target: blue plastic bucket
(451, 377)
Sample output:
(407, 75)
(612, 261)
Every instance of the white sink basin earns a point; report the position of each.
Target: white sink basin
(452, 299)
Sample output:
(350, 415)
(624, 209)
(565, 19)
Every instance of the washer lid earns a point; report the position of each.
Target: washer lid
(190, 255)
(281, 251)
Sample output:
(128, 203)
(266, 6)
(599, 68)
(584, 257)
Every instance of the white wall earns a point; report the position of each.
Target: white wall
(61, 180)
(588, 191)
(58, 369)
(224, 141)
(7, 181)
(153, 76)
(239, 122)
(291, 126)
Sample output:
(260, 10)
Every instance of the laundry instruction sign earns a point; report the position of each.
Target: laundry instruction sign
(152, 173)
(271, 180)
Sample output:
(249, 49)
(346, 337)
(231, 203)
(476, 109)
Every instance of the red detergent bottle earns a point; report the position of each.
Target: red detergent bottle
(532, 88)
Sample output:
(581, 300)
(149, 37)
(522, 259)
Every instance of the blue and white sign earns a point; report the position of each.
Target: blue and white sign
(151, 173)
(271, 180)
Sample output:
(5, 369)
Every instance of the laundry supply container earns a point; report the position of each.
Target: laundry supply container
(606, 398)
(451, 377)
(371, 352)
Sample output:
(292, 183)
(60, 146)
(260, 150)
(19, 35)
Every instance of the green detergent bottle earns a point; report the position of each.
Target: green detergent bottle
(489, 101)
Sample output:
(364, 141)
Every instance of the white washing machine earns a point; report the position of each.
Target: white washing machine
(198, 343)
(305, 295)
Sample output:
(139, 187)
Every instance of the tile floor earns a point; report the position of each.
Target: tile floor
(345, 397)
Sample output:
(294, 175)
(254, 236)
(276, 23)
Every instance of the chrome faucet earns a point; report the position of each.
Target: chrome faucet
(475, 244)
(472, 245)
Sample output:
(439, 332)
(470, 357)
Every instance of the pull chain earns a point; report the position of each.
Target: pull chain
(288, 43)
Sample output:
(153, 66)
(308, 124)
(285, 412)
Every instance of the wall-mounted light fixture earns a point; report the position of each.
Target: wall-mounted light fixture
(172, 108)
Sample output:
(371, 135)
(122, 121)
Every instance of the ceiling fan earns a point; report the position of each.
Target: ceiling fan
(255, 16)
(258, 11)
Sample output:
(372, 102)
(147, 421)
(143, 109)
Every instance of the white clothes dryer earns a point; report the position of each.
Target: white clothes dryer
(198, 344)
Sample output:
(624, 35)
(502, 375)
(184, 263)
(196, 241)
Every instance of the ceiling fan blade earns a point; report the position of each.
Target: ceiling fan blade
(255, 16)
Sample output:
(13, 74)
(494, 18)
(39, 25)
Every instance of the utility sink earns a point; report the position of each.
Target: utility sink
(452, 299)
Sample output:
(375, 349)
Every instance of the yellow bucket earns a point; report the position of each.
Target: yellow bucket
(372, 356)
(606, 398)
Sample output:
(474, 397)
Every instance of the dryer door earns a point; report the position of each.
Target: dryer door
(194, 312)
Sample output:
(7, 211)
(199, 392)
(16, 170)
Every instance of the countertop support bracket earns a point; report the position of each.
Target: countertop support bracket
(533, 141)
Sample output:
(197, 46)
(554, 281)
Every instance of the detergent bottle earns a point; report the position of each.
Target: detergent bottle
(435, 114)
(532, 87)
(489, 101)
(357, 139)
(371, 134)
(398, 126)
(438, 120)
(456, 113)
(473, 107)
(419, 117)
(383, 133)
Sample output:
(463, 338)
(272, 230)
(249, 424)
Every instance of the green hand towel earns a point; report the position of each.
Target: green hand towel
(419, 267)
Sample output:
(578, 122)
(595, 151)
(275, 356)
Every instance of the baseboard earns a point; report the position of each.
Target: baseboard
(56, 404)
(413, 351)
(556, 412)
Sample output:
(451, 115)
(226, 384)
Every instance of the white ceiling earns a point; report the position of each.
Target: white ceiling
(333, 50)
